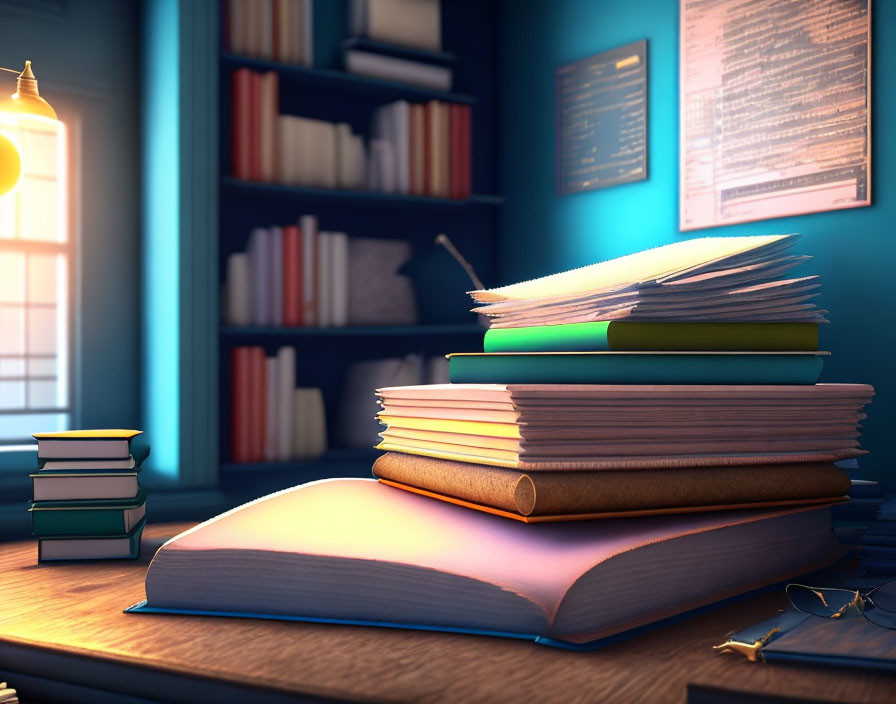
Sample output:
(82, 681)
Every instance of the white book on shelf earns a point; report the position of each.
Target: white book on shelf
(381, 169)
(390, 68)
(359, 162)
(417, 150)
(309, 424)
(286, 383)
(272, 424)
(400, 133)
(343, 155)
(326, 160)
(414, 23)
(268, 110)
(302, 23)
(287, 133)
(339, 279)
(325, 282)
(237, 287)
(275, 274)
(259, 265)
(265, 10)
(308, 225)
(357, 18)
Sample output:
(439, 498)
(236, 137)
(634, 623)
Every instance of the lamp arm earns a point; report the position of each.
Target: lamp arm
(11, 70)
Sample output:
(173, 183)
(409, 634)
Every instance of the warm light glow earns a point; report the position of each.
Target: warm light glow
(10, 165)
(34, 270)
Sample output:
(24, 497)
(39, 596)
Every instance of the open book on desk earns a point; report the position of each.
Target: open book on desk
(357, 551)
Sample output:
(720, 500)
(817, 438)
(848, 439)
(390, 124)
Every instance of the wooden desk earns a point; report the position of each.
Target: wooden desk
(62, 629)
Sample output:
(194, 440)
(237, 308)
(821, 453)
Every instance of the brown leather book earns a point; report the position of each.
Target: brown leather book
(562, 495)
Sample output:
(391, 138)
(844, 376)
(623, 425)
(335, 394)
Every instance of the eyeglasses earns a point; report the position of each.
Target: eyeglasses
(878, 605)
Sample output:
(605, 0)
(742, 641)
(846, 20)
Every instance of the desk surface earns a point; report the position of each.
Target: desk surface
(65, 621)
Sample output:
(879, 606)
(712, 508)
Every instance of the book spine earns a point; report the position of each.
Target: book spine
(635, 369)
(292, 273)
(257, 390)
(310, 274)
(240, 107)
(286, 382)
(633, 336)
(255, 146)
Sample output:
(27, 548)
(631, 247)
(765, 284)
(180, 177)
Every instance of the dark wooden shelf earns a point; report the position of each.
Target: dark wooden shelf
(237, 186)
(359, 331)
(399, 52)
(324, 80)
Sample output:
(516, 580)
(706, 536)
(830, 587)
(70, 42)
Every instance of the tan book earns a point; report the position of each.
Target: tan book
(566, 495)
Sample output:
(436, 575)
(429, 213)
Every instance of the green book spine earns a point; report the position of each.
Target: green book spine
(634, 369)
(633, 336)
(83, 518)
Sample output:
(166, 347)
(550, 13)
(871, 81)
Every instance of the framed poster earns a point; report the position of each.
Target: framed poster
(775, 109)
(602, 119)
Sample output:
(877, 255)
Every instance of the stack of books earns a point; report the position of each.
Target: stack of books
(87, 501)
(568, 507)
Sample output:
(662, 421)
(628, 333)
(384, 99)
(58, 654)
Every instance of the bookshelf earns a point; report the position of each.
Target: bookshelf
(326, 92)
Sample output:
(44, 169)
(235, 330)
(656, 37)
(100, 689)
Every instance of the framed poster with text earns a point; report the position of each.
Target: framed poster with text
(775, 109)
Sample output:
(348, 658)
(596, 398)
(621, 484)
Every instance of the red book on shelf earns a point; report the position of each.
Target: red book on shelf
(257, 404)
(455, 156)
(466, 150)
(240, 104)
(292, 275)
(255, 145)
(239, 404)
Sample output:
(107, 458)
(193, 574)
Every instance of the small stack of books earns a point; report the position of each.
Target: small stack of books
(87, 501)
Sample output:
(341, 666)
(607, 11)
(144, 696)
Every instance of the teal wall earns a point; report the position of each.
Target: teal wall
(854, 250)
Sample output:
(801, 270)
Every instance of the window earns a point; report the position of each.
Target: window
(35, 275)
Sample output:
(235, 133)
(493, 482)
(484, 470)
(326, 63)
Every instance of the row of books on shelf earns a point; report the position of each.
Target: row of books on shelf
(296, 275)
(270, 418)
(414, 149)
(87, 500)
(278, 30)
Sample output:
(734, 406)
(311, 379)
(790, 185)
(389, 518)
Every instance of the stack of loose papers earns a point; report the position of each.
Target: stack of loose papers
(730, 279)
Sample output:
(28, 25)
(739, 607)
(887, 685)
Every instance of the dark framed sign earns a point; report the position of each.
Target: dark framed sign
(602, 119)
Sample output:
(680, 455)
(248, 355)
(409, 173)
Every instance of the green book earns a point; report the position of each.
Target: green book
(109, 547)
(608, 336)
(108, 517)
(636, 368)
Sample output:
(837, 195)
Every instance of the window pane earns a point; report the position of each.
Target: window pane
(39, 209)
(12, 366)
(42, 330)
(42, 279)
(20, 426)
(42, 394)
(12, 277)
(12, 395)
(42, 366)
(12, 329)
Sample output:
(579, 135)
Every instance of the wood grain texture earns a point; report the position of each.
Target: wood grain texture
(75, 610)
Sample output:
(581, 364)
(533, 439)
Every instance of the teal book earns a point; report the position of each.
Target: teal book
(87, 518)
(109, 547)
(636, 368)
(608, 336)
